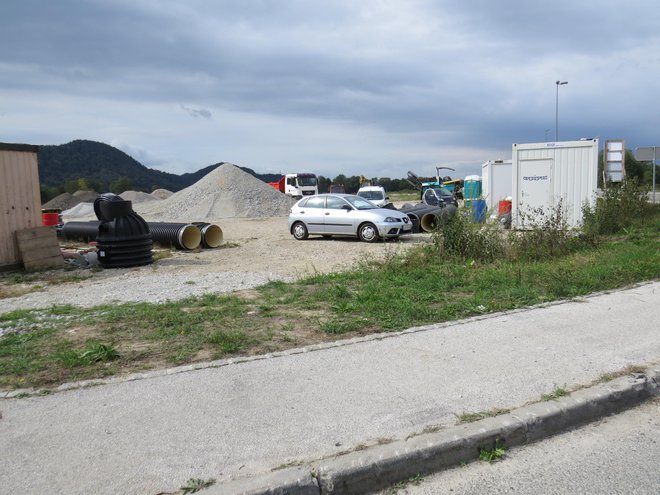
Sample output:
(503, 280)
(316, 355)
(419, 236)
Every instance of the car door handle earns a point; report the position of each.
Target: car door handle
(327, 213)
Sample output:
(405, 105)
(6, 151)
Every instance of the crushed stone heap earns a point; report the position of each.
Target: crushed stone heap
(225, 192)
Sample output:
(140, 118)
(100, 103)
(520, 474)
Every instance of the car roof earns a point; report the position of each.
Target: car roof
(371, 188)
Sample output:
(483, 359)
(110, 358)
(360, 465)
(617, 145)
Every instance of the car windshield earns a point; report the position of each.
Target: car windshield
(360, 203)
(442, 192)
(372, 195)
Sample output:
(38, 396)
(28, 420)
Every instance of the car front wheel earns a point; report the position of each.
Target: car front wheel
(368, 232)
(299, 231)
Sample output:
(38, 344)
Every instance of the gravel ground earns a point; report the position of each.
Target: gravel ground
(258, 250)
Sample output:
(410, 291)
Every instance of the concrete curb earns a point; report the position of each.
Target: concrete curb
(380, 467)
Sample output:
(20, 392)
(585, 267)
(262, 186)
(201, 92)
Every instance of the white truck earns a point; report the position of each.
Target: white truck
(297, 185)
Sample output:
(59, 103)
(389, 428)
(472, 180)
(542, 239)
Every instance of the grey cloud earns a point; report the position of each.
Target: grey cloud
(193, 112)
(478, 73)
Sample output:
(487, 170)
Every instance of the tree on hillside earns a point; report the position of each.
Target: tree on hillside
(121, 184)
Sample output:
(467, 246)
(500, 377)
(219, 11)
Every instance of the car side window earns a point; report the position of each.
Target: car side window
(315, 202)
(335, 203)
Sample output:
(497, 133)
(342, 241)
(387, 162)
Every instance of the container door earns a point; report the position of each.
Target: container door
(535, 185)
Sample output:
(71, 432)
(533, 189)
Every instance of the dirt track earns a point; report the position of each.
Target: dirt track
(265, 245)
(255, 250)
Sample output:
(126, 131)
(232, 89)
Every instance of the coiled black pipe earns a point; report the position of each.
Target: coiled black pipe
(211, 234)
(180, 235)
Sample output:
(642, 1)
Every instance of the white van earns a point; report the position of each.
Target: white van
(375, 194)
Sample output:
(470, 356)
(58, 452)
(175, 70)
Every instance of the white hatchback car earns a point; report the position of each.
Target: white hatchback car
(345, 215)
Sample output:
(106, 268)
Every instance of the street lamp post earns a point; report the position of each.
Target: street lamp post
(558, 83)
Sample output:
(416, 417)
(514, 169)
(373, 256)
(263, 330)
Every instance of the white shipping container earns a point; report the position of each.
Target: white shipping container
(496, 182)
(545, 173)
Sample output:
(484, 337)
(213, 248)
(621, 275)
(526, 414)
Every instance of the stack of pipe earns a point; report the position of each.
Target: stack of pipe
(183, 236)
(428, 217)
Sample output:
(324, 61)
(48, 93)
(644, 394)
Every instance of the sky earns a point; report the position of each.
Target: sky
(369, 87)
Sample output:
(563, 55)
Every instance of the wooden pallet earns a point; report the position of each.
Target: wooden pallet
(39, 248)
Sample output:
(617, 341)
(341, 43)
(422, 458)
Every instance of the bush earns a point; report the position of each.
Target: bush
(547, 235)
(463, 239)
(622, 205)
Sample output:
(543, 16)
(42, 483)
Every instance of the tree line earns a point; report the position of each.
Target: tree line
(352, 184)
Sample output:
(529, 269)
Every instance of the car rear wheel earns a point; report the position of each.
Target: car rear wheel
(368, 232)
(299, 231)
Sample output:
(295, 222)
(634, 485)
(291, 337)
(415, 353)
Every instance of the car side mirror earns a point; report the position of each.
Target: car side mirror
(347, 208)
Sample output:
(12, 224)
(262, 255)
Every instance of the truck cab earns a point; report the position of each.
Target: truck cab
(299, 185)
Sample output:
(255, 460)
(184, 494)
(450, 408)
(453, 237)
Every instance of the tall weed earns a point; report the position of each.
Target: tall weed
(621, 206)
(463, 239)
(546, 235)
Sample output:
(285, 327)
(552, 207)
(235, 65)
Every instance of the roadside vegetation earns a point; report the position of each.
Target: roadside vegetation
(467, 270)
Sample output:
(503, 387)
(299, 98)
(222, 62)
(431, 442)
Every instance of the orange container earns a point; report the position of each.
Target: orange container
(504, 207)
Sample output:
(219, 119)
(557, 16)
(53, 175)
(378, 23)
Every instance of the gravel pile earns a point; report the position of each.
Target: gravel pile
(161, 193)
(63, 201)
(79, 211)
(67, 201)
(226, 192)
(137, 196)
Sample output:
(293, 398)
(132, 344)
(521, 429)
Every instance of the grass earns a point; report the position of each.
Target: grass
(402, 485)
(494, 454)
(478, 416)
(555, 394)
(193, 485)
(44, 348)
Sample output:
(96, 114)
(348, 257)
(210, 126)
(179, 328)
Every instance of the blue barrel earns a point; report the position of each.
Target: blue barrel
(479, 210)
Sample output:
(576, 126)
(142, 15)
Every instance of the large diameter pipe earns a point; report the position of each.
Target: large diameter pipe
(81, 231)
(429, 220)
(211, 234)
(180, 235)
(441, 216)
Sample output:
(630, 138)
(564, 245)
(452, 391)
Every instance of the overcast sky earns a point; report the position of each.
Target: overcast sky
(358, 87)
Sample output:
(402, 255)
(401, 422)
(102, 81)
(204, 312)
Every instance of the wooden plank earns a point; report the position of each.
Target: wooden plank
(39, 248)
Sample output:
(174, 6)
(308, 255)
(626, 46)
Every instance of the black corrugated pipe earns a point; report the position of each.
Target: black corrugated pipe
(81, 231)
(211, 234)
(429, 220)
(415, 207)
(179, 235)
(436, 218)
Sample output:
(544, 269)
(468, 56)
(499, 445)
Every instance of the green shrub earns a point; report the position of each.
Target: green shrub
(546, 235)
(463, 239)
(621, 206)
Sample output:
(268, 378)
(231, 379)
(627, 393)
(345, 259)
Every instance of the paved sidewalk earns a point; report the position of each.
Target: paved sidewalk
(152, 434)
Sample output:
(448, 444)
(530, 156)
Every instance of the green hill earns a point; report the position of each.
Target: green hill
(103, 167)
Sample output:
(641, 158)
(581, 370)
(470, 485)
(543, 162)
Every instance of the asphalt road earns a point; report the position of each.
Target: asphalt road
(617, 455)
(152, 434)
